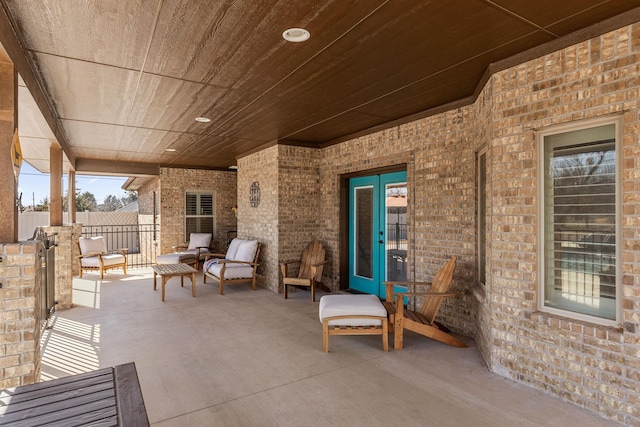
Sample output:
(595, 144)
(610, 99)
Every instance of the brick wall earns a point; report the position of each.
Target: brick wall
(145, 197)
(593, 366)
(20, 317)
(173, 185)
(481, 312)
(261, 222)
(298, 193)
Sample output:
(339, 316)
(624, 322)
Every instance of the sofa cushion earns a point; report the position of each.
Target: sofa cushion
(246, 251)
(92, 244)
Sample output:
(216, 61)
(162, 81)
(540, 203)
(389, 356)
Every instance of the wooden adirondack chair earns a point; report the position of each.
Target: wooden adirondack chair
(421, 321)
(311, 263)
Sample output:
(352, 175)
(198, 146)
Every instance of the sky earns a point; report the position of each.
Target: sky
(35, 185)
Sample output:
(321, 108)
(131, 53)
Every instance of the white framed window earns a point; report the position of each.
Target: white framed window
(482, 214)
(579, 217)
(198, 215)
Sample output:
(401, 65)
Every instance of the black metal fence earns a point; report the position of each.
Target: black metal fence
(397, 236)
(141, 240)
(396, 251)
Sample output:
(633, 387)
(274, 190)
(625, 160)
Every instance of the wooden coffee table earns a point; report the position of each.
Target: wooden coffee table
(167, 271)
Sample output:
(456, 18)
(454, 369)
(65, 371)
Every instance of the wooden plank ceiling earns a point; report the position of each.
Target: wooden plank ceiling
(127, 79)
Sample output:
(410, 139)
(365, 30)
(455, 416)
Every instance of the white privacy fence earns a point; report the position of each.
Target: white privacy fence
(29, 221)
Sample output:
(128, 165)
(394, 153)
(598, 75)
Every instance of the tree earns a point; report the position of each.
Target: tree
(131, 197)
(86, 202)
(43, 206)
(111, 203)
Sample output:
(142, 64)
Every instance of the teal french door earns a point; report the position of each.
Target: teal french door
(377, 231)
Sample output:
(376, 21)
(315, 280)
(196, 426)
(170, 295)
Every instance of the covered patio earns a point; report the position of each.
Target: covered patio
(511, 129)
(252, 358)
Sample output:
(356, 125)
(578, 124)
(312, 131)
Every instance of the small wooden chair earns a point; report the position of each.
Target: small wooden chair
(311, 263)
(421, 321)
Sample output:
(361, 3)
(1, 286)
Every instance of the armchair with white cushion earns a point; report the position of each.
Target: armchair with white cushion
(239, 264)
(95, 256)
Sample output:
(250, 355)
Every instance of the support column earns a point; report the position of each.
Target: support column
(71, 197)
(55, 183)
(8, 125)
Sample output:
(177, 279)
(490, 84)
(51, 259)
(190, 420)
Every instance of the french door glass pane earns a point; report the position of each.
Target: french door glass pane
(364, 232)
(396, 225)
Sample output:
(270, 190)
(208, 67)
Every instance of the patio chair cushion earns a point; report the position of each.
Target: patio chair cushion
(92, 244)
(199, 240)
(233, 248)
(208, 263)
(233, 271)
(246, 251)
(107, 260)
(351, 305)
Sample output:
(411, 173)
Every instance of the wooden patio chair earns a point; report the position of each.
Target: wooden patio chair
(199, 246)
(94, 256)
(239, 264)
(421, 321)
(311, 263)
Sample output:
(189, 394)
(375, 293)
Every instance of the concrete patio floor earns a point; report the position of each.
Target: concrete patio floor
(254, 359)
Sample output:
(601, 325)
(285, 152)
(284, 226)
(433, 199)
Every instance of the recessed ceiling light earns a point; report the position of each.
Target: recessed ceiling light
(203, 119)
(296, 35)
(170, 150)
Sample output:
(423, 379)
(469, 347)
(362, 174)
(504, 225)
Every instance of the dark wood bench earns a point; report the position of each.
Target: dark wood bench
(106, 397)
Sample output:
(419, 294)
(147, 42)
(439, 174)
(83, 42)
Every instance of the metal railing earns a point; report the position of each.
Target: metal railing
(47, 272)
(397, 236)
(141, 240)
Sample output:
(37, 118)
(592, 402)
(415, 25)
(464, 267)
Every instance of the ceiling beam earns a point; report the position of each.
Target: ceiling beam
(13, 45)
(112, 167)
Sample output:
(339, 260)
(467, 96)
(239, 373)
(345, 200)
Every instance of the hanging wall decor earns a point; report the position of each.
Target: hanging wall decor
(254, 194)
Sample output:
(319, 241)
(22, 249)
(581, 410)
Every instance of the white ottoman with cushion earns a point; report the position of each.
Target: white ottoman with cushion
(353, 315)
(177, 258)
